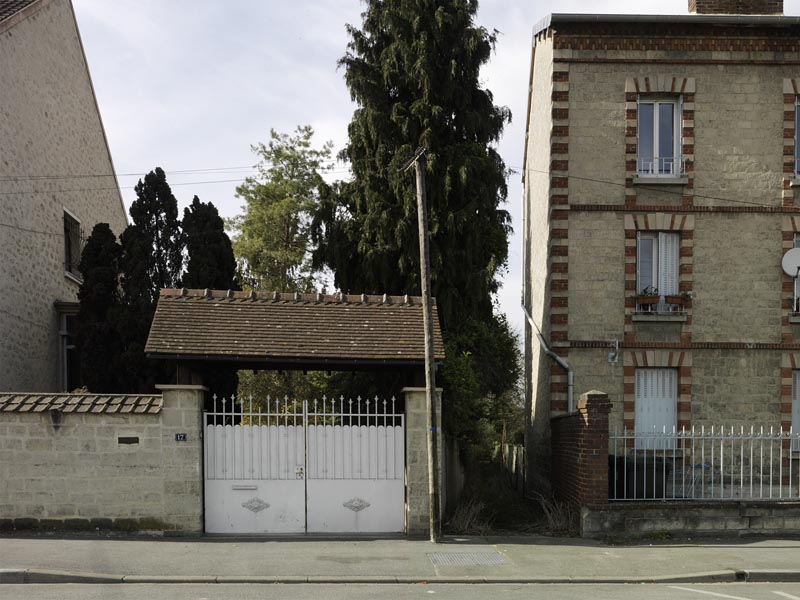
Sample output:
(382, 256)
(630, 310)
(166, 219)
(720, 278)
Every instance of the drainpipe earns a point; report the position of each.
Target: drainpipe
(561, 362)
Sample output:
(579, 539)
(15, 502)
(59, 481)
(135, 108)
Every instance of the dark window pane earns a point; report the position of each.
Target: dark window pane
(646, 138)
(666, 137)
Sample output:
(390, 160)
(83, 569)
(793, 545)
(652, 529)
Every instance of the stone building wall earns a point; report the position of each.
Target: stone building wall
(50, 126)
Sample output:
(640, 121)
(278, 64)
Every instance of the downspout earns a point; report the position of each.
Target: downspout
(561, 362)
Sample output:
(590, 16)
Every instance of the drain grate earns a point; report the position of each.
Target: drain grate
(466, 559)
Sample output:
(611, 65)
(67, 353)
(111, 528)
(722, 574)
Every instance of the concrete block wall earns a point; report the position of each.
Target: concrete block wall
(417, 498)
(51, 126)
(79, 476)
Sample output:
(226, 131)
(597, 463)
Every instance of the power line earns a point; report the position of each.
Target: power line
(10, 226)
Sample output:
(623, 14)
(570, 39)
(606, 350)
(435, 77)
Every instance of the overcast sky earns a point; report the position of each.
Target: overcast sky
(189, 85)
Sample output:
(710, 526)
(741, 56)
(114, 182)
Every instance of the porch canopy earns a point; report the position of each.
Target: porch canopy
(273, 330)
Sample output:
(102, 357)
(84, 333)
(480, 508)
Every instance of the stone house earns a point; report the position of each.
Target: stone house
(56, 181)
(661, 153)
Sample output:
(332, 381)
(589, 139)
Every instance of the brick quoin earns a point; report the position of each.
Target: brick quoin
(736, 7)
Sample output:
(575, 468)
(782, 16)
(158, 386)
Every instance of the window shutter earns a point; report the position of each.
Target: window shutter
(655, 404)
(668, 261)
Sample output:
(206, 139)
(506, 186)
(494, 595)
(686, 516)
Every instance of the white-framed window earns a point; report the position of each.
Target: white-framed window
(795, 409)
(655, 406)
(659, 137)
(657, 266)
(73, 244)
(796, 299)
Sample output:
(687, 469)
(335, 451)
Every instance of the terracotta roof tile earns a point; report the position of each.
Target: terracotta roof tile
(81, 403)
(274, 326)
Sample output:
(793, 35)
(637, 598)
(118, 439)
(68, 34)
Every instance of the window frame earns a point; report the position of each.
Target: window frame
(656, 269)
(796, 136)
(73, 245)
(795, 414)
(677, 142)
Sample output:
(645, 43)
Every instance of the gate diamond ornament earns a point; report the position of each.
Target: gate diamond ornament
(356, 504)
(255, 504)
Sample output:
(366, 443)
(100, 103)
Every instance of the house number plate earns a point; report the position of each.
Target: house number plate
(180, 437)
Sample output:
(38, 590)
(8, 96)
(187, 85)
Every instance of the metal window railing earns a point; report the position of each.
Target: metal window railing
(720, 463)
(659, 166)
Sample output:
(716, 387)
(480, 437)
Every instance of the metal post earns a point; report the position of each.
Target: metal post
(430, 378)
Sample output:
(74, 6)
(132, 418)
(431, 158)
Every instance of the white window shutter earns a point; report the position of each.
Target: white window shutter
(655, 404)
(668, 261)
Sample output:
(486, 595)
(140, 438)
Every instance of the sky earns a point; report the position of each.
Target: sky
(190, 85)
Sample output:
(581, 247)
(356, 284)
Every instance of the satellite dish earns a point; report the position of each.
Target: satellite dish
(791, 262)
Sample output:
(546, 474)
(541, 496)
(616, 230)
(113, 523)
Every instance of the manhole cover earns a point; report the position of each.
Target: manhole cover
(466, 559)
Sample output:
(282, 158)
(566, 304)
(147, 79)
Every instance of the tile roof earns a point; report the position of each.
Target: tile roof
(80, 403)
(12, 7)
(281, 327)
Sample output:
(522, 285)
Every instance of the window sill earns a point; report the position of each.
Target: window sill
(660, 317)
(659, 180)
(73, 278)
(794, 182)
(794, 318)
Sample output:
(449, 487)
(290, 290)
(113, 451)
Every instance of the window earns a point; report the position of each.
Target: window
(657, 260)
(796, 409)
(659, 138)
(796, 300)
(655, 406)
(796, 139)
(70, 361)
(72, 245)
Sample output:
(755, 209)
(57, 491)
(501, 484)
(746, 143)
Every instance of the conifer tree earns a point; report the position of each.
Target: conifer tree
(413, 70)
(152, 258)
(98, 339)
(211, 262)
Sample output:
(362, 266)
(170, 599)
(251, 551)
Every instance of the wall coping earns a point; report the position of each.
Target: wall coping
(168, 387)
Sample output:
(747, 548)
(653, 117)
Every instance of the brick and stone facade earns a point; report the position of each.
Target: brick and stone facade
(737, 338)
(54, 159)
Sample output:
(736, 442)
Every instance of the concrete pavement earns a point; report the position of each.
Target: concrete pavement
(45, 559)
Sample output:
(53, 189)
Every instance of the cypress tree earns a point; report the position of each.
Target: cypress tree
(98, 339)
(211, 262)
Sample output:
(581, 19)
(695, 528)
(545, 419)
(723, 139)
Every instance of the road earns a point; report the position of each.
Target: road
(734, 591)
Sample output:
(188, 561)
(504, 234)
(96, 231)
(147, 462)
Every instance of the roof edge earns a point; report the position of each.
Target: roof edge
(272, 296)
(741, 20)
(22, 14)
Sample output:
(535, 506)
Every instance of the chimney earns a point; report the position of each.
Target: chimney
(736, 7)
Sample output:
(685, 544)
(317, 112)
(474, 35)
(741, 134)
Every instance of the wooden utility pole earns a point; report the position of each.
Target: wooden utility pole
(430, 367)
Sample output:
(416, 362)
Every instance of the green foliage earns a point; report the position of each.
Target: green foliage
(98, 341)
(413, 69)
(272, 236)
(211, 263)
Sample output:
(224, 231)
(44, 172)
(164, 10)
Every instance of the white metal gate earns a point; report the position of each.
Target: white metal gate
(288, 466)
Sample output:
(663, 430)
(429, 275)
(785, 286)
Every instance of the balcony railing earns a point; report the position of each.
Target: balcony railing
(710, 464)
(660, 166)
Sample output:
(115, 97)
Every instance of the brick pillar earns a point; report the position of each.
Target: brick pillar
(593, 408)
(182, 413)
(417, 507)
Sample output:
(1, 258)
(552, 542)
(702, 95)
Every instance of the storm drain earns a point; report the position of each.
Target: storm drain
(466, 559)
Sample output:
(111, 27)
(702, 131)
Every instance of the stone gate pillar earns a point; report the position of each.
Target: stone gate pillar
(417, 507)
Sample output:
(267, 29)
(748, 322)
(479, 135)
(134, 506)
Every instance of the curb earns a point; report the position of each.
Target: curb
(43, 576)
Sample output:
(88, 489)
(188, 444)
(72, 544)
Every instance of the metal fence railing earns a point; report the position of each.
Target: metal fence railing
(660, 166)
(712, 464)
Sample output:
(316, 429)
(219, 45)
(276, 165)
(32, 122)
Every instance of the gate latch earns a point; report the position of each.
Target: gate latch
(298, 472)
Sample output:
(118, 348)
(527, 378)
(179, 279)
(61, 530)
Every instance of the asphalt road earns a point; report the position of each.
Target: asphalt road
(737, 591)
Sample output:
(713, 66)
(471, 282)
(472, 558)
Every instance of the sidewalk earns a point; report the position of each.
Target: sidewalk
(489, 560)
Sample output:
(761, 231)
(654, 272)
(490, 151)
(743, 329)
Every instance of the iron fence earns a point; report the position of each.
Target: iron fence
(710, 464)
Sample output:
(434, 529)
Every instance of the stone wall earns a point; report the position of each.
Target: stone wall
(50, 127)
(417, 498)
(101, 470)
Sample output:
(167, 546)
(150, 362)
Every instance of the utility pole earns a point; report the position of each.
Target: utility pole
(430, 375)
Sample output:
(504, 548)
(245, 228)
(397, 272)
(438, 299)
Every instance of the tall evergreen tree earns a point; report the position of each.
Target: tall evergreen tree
(98, 339)
(272, 236)
(212, 265)
(413, 69)
(152, 258)
(211, 262)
